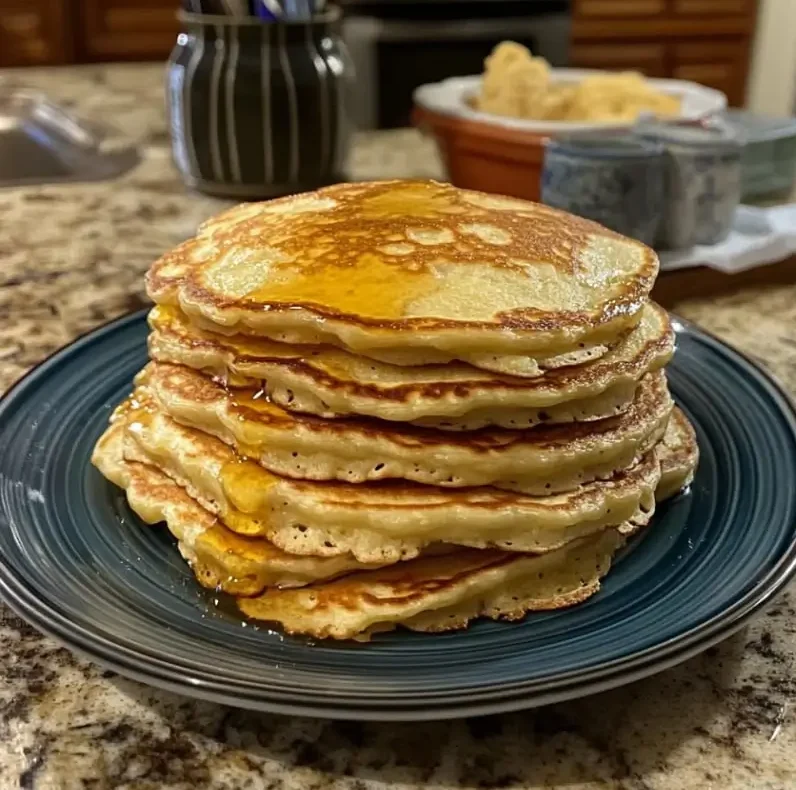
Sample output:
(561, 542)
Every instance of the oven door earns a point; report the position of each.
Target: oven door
(393, 56)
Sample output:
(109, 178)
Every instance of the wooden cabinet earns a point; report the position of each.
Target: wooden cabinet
(35, 32)
(49, 32)
(707, 41)
(127, 29)
(646, 56)
(714, 7)
(586, 9)
(719, 64)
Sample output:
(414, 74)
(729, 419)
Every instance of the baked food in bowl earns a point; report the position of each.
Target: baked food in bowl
(503, 153)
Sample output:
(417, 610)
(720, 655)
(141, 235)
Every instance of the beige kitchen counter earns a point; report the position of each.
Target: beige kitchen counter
(72, 257)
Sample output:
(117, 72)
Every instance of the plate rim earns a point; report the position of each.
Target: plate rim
(380, 711)
(502, 698)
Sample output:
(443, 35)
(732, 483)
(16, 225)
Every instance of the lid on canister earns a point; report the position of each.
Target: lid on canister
(596, 145)
(708, 136)
(760, 128)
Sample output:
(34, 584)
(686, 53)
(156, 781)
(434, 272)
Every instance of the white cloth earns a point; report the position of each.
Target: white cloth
(758, 236)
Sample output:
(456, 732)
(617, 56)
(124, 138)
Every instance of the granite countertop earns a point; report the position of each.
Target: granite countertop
(72, 257)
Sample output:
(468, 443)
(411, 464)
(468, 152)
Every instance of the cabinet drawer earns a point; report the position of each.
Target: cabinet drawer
(618, 8)
(35, 32)
(128, 28)
(722, 65)
(649, 58)
(714, 7)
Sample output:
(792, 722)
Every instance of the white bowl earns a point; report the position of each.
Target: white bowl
(452, 96)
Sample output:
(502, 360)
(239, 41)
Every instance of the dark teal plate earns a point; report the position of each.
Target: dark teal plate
(77, 563)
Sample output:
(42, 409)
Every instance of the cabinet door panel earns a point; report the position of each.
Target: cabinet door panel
(35, 32)
(714, 7)
(720, 65)
(618, 8)
(128, 29)
(647, 57)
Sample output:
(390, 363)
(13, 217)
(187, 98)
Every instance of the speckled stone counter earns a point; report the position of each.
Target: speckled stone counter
(73, 256)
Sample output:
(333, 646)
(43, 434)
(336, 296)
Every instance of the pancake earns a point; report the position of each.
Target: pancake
(543, 460)
(220, 558)
(408, 270)
(378, 522)
(679, 455)
(445, 592)
(514, 365)
(330, 382)
(441, 591)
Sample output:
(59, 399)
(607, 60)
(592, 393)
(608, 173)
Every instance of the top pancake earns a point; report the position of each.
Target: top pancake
(411, 269)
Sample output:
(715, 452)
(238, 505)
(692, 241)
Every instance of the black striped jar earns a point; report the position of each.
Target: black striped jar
(256, 108)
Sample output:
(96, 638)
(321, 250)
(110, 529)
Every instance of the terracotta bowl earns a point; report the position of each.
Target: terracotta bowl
(486, 156)
(505, 155)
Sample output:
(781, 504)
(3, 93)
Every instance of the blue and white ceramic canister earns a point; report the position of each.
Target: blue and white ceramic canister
(703, 182)
(614, 180)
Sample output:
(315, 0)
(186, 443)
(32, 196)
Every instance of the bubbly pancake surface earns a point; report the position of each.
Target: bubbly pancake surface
(401, 404)
(437, 592)
(409, 266)
(379, 522)
(679, 455)
(331, 382)
(542, 460)
(441, 593)
(434, 593)
(220, 558)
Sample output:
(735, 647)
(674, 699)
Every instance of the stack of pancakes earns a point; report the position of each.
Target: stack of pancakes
(401, 403)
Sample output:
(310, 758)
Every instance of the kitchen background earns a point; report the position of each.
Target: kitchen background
(73, 256)
(745, 48)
